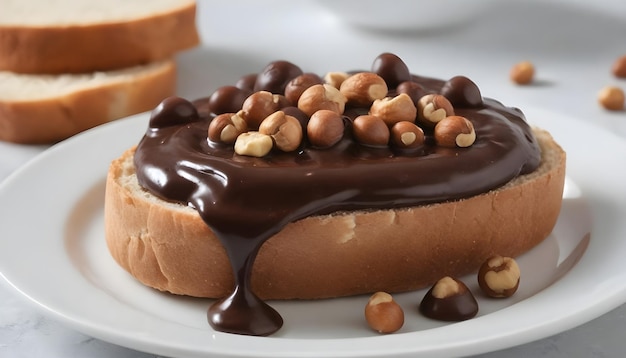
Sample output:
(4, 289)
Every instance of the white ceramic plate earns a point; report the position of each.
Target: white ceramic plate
(53, 252)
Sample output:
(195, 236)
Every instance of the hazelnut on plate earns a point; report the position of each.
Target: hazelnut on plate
(383, 314)
(499, 276)
(449, 300)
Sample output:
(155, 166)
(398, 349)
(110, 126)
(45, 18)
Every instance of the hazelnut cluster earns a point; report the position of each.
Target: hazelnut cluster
(449, 299)
(284, 108)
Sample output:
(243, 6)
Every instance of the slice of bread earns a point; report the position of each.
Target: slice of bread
(76, 36)
(50, 108)
(167, 246)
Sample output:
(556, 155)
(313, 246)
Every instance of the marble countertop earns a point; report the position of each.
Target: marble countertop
(572, 44)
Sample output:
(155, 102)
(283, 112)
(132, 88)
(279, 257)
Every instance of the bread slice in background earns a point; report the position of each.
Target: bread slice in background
(167, 246)
(50, 108)
(78, 36)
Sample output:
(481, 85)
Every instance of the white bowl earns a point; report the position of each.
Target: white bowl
(406, 15)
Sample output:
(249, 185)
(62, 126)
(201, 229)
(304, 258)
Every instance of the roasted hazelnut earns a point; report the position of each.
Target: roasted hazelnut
(227, 99)
(499, 276)
(611, 98)
(383, 314)
(253, 144)
(173, 111)
(391, 68)
(335, 79)
(296, 86)
(323, 96)
(394, 109)
(258, 106)
(462, 92)
(285, 130)
(449, 300)
(363, 88)
(455, 131)
(370, 130)
(325, 128)
(432, 108)
(407, 135)
(619, 67)
(522, 73)
(226, 127)
(275, 76)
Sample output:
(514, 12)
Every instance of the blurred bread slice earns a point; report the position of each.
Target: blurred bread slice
(50, 108)
(78, 36)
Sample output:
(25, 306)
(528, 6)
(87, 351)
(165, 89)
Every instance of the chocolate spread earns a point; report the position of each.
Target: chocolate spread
(245, 200)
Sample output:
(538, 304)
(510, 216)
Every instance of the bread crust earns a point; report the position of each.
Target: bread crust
(102, 46)
(167, 245)
(51, 119)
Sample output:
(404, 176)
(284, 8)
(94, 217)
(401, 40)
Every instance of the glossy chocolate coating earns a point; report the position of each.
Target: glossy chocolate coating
(245, 200)
(459, 307)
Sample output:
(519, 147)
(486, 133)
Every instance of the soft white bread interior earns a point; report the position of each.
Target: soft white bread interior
(76, 36)
(167, 246)
(49, 108)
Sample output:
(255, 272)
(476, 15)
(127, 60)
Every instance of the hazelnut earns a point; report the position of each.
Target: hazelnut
(227, 99)
(325, 128)
(449, 300)
(258, 106)
(611, 98)
(335, 79)
(619, 67)
(226, 127)
(285, 130)
(499, 276)
(462, 92)
(383, 314)
(455, 131)
(322, 96)
(253, 144)
(522, 73)
(370, 130)
(361, 89)
(394, 109)
(412, 89)
(296, 86)
(432, 108)
(391, 67)
(407, 135)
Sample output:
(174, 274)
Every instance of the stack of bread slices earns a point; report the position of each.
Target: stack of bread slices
(69, 65)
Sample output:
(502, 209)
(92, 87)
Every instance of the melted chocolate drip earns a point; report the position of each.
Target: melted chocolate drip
(246, 200)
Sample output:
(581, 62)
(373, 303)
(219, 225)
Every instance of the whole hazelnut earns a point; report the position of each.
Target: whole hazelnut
(455, 131)
(412, 89)
(462, 92)
(296, 86)
(432, 108)
(285, 130)
(522, 73)
(370, 130)
(449, 300)
(611, 98)
(383, 314)
(407, 135)
(619, 67)
(253, 144)
(363, 88)
(325, 128)
(391, 67)
(275, 76)
(226, 127)
(499, 276)
(322, 96)
(227, 99)
(335, 79)
(394, 109)
(258, 106)
(173, 111)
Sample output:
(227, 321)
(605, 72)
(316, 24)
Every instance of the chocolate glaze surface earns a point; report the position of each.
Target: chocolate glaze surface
(245, 200)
